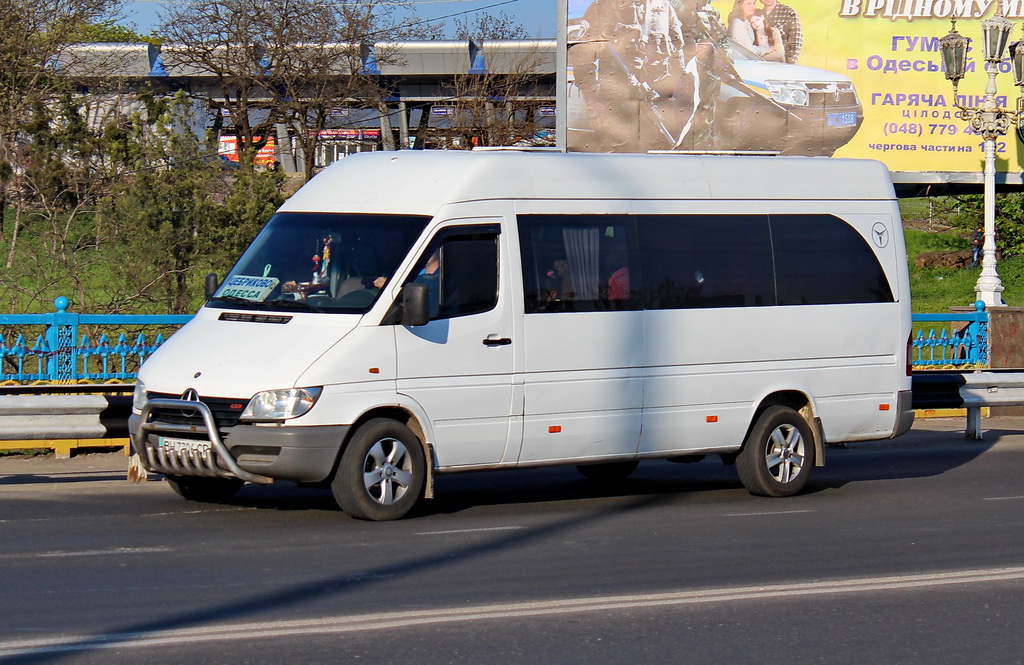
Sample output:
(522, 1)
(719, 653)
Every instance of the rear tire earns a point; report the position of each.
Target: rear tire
(208, 490)
(382, 472)
(778, 455)
(608, 471)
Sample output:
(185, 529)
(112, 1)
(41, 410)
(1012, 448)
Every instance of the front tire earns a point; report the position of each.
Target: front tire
(208, 490)
(778, 455)
(381, 473)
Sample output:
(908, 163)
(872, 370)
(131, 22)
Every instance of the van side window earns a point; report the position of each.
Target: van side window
(822, 260)
(693, 261)
(460, 269)
(579, 263)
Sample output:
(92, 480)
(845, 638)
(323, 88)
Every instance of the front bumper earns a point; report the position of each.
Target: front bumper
(258, 454)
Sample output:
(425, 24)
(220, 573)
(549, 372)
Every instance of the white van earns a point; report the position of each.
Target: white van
(413, 313)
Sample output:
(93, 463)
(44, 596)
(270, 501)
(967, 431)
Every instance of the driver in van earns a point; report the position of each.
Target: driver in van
(430, 276)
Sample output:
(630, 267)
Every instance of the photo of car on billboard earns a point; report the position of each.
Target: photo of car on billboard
(649, 75)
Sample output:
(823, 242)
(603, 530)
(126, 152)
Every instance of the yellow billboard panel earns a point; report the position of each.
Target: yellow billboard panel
(850, 78)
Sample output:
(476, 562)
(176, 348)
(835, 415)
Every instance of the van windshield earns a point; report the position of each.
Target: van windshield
(319, 262)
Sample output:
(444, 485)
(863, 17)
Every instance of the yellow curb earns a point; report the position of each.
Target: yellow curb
(948, 413)
(62, 447)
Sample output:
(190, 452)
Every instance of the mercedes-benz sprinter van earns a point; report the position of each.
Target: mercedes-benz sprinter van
(414, 313)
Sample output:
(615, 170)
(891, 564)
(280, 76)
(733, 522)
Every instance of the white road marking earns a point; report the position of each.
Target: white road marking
(56, 554)
(480, 530)
(201, 511)
(769, 513)
(1002, 498)
(236, 632)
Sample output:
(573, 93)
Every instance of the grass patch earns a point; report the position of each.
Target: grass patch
(935, 290)
(25, 452)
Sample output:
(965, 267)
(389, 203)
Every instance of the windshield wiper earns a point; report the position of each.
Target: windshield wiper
(235, 300)
(285, 303)
(279, 303)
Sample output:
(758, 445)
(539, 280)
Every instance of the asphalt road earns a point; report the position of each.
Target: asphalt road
(910, 551)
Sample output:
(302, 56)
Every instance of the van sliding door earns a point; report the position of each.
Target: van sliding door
(582, 338)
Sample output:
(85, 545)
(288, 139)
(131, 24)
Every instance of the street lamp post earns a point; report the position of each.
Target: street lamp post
(990, 121)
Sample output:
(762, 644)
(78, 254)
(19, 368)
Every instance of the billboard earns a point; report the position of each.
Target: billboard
(850, 78)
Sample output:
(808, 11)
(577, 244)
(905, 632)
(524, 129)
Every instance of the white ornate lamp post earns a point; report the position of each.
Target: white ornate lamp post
(990, 121)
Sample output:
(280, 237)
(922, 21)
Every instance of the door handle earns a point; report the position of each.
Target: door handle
(497, 341)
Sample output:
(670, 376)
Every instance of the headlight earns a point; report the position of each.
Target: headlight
(139, 397)
(790, 94)
(273, 405)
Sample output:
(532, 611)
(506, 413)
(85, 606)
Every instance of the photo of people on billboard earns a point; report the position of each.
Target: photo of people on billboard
(679, 75)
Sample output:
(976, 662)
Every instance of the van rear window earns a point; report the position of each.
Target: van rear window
(822, 260)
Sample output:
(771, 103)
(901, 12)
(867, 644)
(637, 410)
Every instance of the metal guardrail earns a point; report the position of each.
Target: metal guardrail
(970, 390)
(989, 389)
(65, 418)
(59, 355)
(46, 417)
(964, 346)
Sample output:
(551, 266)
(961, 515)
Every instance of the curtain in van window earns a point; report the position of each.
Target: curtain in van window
(582, 247)
(579, 263)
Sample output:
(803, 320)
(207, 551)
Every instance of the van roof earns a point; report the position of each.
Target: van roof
(422, 181)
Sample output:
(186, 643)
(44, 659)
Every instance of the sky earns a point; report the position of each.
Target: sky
(537, 16)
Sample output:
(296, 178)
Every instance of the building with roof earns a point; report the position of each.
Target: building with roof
(425, 87)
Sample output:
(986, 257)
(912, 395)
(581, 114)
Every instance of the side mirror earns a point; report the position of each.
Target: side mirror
(415, 305)
(211, 285)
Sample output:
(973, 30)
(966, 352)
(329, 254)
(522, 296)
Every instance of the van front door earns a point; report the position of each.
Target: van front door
(458, 367)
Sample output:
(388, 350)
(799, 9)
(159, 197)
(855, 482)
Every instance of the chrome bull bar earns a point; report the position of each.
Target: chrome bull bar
(215, 463)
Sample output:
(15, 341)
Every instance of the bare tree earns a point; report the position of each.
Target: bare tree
(490, 26)
(330, 62)
(226, 42)
(499, 101)
(287, 62)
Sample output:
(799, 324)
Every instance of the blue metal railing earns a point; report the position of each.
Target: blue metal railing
(59, 355)
(962, 346)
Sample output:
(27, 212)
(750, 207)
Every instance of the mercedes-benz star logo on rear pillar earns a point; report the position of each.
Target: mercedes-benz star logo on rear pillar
(190, 395)
(880, 235)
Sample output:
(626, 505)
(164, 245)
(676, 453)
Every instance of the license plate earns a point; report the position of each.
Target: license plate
(842, 119)
(190, 447)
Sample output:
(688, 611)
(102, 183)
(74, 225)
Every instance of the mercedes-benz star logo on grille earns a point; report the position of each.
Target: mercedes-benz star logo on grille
(190, 395)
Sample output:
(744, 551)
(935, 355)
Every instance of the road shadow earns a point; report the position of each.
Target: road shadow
(60, 477)
(922, 452)
(918, 454)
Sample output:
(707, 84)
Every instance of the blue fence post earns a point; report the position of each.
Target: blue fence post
(978, 329)
(966, 346)
(62, 338)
